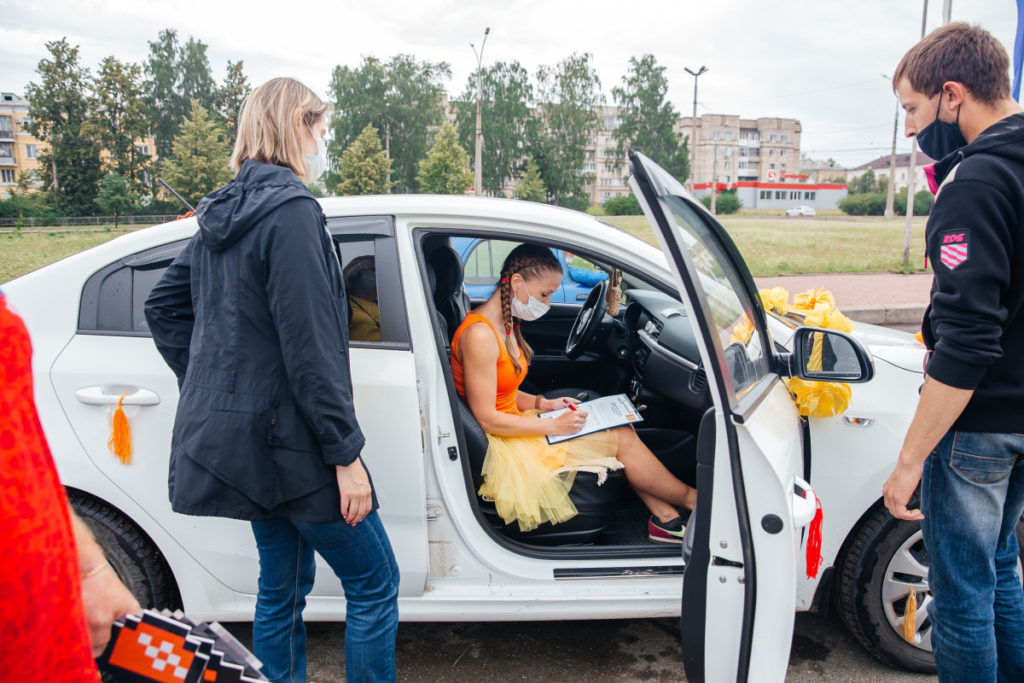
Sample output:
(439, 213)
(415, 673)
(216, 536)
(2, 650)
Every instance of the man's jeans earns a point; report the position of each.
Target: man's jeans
(361, 556)
(972, 495)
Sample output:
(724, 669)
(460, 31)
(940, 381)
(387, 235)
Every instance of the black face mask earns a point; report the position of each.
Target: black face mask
(940, 138)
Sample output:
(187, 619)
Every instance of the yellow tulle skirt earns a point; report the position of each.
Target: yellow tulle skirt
(529, 479)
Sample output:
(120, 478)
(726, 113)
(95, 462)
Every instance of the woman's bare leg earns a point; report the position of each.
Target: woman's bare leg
(665, 512)
(647, 475)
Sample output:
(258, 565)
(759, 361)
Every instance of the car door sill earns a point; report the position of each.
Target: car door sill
(652, 571)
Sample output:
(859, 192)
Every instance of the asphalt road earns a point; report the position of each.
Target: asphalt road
(608, 650)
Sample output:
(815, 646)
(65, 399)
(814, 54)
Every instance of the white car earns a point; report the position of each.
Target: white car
(717, 413)
(801, 210)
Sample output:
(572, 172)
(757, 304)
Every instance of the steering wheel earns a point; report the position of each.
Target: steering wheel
(588, 320)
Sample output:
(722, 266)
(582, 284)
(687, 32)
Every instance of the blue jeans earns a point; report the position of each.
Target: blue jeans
(361, 556)
(972, 495)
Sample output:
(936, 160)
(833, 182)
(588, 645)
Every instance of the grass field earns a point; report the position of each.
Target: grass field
(23, 252)
(771, 245)
(787, 246)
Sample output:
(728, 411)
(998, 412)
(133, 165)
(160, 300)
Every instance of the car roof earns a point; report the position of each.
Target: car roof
(572, 225)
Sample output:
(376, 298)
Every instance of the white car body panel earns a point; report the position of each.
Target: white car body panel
(452, 568)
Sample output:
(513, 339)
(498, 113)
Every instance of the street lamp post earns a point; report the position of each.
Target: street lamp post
(693, 142)
(478, 178)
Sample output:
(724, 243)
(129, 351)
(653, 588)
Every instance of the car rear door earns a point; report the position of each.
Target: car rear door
(739, 592)
(113, 353)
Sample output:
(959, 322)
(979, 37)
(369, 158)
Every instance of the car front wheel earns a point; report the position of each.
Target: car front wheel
(886, 559)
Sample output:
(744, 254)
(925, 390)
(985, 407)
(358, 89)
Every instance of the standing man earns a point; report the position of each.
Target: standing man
(966, 442)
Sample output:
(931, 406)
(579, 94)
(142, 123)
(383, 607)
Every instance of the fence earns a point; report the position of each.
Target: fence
(83, 220)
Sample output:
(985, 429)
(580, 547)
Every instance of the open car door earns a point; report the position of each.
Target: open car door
(739, 589)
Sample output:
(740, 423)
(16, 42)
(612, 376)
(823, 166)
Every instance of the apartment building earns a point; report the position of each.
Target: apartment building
(19, 150)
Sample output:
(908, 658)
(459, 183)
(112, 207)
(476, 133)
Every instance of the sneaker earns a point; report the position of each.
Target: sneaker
(668, 532)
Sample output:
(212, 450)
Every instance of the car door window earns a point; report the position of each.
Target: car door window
(113, 299)
(483, 264)
(731, 307)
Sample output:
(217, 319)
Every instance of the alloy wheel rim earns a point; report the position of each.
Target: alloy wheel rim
(908, 568)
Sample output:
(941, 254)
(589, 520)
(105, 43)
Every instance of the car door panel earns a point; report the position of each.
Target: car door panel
(97, 366)
(737, 619)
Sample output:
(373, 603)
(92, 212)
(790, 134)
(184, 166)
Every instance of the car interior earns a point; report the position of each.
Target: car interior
(646, 351)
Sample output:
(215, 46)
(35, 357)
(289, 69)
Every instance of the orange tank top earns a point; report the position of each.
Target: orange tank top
(508, 379)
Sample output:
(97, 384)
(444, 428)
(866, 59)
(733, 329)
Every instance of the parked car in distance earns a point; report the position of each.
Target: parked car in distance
(802, 210)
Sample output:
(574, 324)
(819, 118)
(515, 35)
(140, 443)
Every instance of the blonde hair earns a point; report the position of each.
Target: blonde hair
(266, 131)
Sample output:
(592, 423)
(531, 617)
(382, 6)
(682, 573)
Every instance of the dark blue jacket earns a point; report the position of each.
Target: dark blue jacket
(252, 317)
(975, 242)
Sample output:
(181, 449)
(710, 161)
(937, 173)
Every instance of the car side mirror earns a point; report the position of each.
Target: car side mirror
(821, 355)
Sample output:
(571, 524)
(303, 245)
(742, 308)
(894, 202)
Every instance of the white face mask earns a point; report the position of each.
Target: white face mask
(531, 310)
(316, 164)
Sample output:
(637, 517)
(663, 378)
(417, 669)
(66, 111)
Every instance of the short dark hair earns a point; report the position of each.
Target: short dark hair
(958, 52)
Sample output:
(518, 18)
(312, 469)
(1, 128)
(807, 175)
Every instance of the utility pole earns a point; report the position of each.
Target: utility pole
(912, 171)
(714, 180)
(478, 177)
(693, 138)
(890, 194)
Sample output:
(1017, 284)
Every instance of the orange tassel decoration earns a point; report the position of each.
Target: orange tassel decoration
(910, 617)
(120, 441)
(814, 542)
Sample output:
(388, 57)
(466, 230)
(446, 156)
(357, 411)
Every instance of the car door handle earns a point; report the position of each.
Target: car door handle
(805, 503)
(109, 394)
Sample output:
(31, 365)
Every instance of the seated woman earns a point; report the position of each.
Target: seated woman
(527, 478)
(360, 277)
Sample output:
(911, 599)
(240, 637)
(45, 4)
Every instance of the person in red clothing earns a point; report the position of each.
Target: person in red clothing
(58, 595)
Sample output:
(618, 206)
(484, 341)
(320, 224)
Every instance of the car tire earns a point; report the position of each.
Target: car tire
(131, 553)
(870, 596)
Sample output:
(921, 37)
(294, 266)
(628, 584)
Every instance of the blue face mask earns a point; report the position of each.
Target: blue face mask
(940, 138)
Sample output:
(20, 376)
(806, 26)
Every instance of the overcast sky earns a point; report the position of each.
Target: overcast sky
(820, 62)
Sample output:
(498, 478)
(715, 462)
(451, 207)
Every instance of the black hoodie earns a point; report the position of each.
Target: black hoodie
(252, 317)
(975, 242)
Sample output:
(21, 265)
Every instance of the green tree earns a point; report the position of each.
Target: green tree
(569, 95)
(446, 168)
(196, 76)
(199, 162)
(623, 205)
(725, 203)
(120, 119)
(229, 98)
(365, 169)
(531, 186)
(116, 196)
(166, 106)
(507, 120)
(647, 119)
(59, 111)
(401, 98)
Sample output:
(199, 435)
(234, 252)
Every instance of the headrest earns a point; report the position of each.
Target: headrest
(446, 268)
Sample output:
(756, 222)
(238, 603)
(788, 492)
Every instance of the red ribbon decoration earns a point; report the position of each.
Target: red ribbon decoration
(814, 539)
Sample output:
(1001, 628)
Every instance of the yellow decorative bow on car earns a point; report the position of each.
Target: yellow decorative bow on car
(818, 307)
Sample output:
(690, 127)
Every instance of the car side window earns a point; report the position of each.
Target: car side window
(359, 270)
(483, 263)
(113, 298)
(373, 282)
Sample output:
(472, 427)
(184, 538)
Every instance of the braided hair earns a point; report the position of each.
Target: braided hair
(530, 261)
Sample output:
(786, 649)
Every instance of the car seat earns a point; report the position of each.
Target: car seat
(596, 504)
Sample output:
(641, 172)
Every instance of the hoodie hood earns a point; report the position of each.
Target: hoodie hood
(227, 214)
(1003, 138)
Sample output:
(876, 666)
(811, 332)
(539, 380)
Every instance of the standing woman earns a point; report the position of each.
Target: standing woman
(253, 319)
